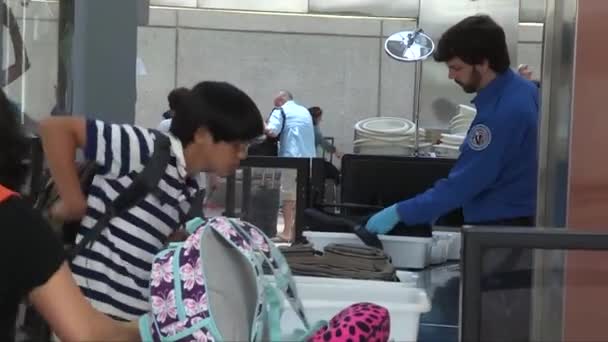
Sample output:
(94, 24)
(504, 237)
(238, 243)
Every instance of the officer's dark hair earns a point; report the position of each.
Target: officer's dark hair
(225, 111)
(474, 39)
(13, 146)
(175, 95)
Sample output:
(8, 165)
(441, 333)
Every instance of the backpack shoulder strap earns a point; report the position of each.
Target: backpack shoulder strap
(196, 210)
(284, 286)
(6, 193)
(284, 119)
(148, 179)
(142, 185)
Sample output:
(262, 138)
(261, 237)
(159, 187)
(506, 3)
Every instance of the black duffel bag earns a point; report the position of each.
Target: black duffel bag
(270, 145)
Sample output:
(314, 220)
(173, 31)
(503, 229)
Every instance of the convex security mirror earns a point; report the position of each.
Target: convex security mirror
(409, 46)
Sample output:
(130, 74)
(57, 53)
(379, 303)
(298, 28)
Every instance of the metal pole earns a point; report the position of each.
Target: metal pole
(6, 47)
(416, 111)
(559, 40)
(24, 94)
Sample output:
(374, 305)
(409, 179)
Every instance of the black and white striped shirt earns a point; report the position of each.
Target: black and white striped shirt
(114, 273)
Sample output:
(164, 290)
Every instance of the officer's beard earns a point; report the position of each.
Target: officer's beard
(473, 85)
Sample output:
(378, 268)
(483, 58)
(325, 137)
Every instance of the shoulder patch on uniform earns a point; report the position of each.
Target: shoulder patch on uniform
(479, 137)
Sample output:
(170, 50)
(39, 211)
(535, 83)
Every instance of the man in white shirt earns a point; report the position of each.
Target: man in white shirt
(297, 141)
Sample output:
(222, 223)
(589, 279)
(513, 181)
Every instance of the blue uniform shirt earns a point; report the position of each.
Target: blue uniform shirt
(298, 137)
(495, 177)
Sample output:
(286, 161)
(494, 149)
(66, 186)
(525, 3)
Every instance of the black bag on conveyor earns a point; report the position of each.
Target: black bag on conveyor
(321, 221)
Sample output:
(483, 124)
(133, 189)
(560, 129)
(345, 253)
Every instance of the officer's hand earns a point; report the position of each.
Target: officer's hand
(384, 221)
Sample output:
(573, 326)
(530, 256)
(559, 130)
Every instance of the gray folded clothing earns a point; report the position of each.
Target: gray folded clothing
(297, 250)
(355, 250)
(343, 261)
(365, 259)
(304, 247)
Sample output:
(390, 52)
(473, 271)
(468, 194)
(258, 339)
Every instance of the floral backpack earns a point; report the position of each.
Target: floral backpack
(212, 288)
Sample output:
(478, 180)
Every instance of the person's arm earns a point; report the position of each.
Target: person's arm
(479, 165)
(476, 169)
(275, 122)
(61, 136)
(72, 317)
(35, 260)
(22, 62)
(117, 149)
(320, 140)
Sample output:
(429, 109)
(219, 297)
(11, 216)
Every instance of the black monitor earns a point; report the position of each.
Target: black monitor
(385, 180)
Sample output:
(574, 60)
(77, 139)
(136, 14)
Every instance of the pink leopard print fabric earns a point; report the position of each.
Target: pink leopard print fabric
(358, 322)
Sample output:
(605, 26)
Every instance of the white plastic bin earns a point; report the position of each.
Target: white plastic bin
(455, 243)
(406, 279)
(405, 252)
(439, 249)
(323, 298)
(364, 146)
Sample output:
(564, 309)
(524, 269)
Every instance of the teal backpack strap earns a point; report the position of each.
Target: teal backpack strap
(274, 306)
(284, 287)
(260, 316)
(193, 224)
(144, 328)
(274, 309)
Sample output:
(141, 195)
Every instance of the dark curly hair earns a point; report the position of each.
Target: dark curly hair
(175, 96)
(13, 145)
(227, 112)
(475, 39)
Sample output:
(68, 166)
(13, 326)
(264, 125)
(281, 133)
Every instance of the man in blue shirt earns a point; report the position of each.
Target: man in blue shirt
(297, 140)
(494, 179)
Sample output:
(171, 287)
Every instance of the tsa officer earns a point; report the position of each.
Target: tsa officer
(494, 179)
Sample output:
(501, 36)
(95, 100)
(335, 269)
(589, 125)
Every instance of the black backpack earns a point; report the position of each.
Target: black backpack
(144, 183)
(268, 146)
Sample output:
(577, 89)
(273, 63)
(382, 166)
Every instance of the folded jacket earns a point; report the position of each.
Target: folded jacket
(297, 248)
(356, 251)
(317, 267)
(364, 258)
(342, 261)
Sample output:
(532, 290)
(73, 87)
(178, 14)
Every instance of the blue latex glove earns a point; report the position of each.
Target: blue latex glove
(383, 221)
